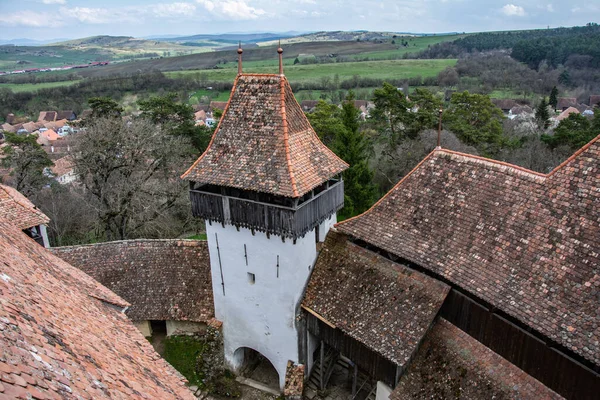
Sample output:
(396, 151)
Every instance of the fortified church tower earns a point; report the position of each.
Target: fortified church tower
(269, 191)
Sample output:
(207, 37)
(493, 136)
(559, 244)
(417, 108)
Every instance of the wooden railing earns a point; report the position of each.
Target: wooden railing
(292, 222)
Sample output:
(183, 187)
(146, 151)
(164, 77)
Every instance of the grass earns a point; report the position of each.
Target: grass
(212, 95)
(415, 45)
(199, 236)
(181, 352)
(32, 87)
(515, 95)
(390, 69)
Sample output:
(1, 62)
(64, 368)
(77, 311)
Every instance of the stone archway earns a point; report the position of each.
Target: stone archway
(254, 365)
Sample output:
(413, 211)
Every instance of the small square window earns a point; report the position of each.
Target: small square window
(251, 278)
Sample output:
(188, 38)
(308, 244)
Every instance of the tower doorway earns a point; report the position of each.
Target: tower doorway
(257, 367)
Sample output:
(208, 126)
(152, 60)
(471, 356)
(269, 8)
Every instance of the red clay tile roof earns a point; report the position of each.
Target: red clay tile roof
(265, 143)
(50, 135)
(566, 102)
(162, 279)
(58, 340)
(63, 166)
(525, 242)
(380, 303)
(8, 128)
(19, 210)
(452, 365)
(566, 113)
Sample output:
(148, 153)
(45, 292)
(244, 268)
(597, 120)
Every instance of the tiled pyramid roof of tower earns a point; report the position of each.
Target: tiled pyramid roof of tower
(382, 304)
(525, 242)
(451, 364)
(19, 210)
(265, 143)
(162, 279)
(62, 334)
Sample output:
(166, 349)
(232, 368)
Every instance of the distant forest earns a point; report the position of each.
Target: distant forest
(555, 46)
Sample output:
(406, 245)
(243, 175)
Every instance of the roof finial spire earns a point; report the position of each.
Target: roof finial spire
(280, 51)
(240, 51)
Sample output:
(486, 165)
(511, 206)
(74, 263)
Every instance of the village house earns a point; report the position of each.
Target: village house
(521, 112)
(47, 137)
(63, 171)
(566, 102)
(504, 104)
(565, 114)
(308, 105)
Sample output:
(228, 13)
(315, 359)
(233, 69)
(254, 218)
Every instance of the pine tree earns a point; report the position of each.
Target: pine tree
(542, 115)
(352, 146)
(553, 98)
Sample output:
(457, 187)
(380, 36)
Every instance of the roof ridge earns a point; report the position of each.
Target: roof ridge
(216, 130)
(389, 191)
(574, 156)
(30, 206)
(492, 161)
(488, 160)
(286, 141)
(131, 241)
(314, 133)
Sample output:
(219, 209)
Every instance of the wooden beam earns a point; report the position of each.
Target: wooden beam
(319, 317)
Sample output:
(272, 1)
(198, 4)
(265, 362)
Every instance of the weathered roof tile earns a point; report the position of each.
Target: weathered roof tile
(265, 143)
(451, 364)
(19, 210)
(57, 340)
(382, 304)
(524, 242)
(162, 279)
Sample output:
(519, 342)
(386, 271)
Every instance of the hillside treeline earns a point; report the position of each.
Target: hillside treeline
(75, 97)
(555, 46)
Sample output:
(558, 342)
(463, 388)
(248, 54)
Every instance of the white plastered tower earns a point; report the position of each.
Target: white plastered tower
(269, 191)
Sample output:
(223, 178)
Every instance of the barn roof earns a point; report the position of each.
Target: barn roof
(19, 210)
(451, 364)
(162, 279)
(62, 334)
(525, 242)
(265, 143)
(382, 304)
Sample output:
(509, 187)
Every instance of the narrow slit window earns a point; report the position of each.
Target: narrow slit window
(251, 278)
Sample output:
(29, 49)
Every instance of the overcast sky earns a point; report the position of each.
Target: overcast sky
(47, 19)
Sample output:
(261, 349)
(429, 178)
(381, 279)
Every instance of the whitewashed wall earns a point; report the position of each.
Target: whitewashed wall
(260, 316)
(383, 391)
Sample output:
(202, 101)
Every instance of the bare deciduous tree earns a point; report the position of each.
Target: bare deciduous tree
(131, 173)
